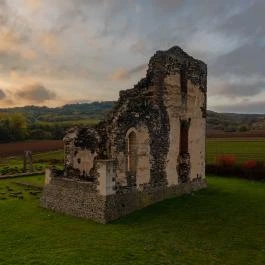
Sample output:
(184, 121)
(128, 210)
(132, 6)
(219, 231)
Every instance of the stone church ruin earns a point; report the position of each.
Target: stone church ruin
(149, 148)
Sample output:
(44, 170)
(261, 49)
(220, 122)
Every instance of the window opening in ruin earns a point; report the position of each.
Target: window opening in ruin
(183, 85)
(184, 137)
(184, 156)
(132, 153)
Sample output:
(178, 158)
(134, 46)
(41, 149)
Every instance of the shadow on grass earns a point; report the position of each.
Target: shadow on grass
(217, 201)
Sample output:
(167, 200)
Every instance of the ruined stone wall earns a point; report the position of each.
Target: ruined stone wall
(190, 110)
(173, 90)
(81, 147)
(197, 148)
(172, 93)
(76, 198)
(136, 110)
(143, 157)
(119, 205)
(175, 111)
(79, 198)
(105, 169)
(152, 143)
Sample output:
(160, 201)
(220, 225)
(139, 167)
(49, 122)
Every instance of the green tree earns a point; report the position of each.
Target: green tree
(17, 126)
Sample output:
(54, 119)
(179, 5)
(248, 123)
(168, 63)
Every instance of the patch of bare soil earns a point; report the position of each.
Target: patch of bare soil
(36, 146)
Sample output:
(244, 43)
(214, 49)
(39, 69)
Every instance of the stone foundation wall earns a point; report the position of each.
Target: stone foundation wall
(74, 198)
(79, 199)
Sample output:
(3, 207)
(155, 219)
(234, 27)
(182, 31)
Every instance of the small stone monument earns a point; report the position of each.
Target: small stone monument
(27, 158)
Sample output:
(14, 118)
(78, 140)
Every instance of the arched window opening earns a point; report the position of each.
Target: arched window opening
(132, 153)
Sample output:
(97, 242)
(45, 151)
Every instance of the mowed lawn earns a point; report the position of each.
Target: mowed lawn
(223, 224)
(242, 148)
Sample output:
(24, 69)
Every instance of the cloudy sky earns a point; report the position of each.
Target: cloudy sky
(54, 52)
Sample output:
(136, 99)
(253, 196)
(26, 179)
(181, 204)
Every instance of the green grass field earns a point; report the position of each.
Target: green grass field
(223, 224)
(35, 180)
(243, 149)
(40, 162)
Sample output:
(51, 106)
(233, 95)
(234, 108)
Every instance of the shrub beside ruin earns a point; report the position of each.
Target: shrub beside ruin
(226, 165)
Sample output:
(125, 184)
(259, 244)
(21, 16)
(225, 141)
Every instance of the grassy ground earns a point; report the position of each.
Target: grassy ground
(35, 180)
(224, 224)
(243, 149)
(40, 162)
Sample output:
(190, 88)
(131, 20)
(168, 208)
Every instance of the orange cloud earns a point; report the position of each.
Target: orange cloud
(11, 44)
(119, 74)
(28, 54)
(20, 78)
(50, 42)
(9, 41)
(33, 4)
(124, 74)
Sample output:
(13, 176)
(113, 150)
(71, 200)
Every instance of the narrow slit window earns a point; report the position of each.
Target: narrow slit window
(184, 137)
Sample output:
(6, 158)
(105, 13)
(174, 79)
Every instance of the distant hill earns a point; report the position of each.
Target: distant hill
(46, 119)
(232, 122)
(69, 112)
(37, 123)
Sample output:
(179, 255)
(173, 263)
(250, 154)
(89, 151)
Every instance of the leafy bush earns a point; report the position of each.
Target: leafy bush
(260, 165)
(10, 170)
(249, 164)
(226, 160)
(253, 169)
(226, 166)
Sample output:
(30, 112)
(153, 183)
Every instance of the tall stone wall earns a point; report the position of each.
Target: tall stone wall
(173, 90)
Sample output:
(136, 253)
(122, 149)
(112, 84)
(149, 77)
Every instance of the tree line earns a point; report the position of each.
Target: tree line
(13, 127)
(17, 127)
(37, 123)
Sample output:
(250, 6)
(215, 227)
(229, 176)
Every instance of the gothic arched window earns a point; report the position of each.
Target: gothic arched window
(132, 152)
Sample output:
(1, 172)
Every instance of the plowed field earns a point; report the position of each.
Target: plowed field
(18, 148)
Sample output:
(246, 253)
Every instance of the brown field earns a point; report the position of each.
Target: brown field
(36, 146)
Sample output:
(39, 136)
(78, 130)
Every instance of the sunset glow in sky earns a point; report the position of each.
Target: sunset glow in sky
(54, 52)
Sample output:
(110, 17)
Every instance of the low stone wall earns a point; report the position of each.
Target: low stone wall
(74, 198)
(80, 199)
(122, 204)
